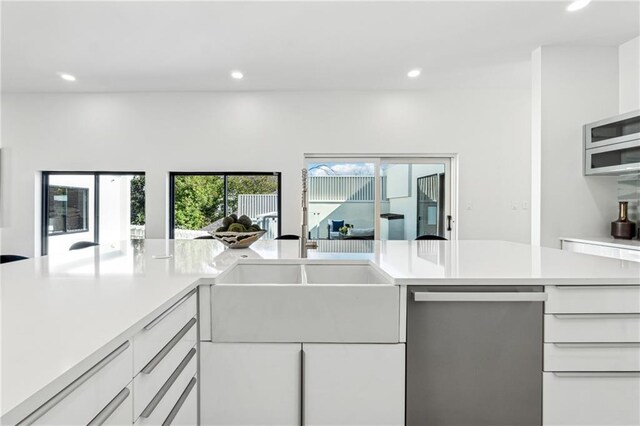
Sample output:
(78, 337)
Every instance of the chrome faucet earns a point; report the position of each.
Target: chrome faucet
(305, 244)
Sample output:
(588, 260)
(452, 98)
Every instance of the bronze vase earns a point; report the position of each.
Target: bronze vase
(623, 228)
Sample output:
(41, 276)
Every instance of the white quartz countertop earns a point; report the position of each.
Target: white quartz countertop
(609, 242)
(62, 313)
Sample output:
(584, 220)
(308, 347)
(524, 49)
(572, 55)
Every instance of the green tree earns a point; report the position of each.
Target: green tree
(198, 200)
(137, 200)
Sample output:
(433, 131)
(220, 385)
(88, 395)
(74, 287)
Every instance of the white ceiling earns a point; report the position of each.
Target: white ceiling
(192, 46)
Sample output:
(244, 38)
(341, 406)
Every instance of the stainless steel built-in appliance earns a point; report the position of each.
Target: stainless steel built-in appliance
(474, 355)
(612, 146)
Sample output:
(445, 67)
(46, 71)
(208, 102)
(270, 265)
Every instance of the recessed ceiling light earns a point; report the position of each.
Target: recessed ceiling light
(237, 75)
(414, 73)
(67, 77)
(577, 5)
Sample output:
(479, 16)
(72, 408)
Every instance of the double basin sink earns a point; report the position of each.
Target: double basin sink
(304, 301)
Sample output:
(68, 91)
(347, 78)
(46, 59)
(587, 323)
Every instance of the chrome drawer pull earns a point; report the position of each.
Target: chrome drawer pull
(176, 408)
(54, 400)
(597, 345)
(597, 374)
(169, 310)
(165, 388)
(167, 348)
(479, 297)
(110, 408)
(597, 316)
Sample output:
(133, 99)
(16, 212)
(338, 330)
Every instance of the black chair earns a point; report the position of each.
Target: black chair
(204, 237)
(82, 244)
(288, 237)
(6, 258)
(430, 237)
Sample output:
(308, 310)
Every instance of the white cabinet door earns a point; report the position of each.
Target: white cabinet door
(354, 384)
(583, 399)
(250, 383)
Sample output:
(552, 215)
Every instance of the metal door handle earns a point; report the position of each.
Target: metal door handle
(167, 348)
(165, 388)
(54, 400)
(449, 218)
(479, 297)
(169, 310)
(176, 408)
(110, 408)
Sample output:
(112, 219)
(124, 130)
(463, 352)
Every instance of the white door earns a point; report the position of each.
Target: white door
(353, 384)
(250, 383)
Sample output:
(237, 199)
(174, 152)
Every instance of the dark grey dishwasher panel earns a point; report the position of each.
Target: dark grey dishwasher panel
(474, 363)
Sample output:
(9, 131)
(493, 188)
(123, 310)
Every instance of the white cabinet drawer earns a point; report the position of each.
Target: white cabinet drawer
(118, 412)
(591, 357)
(161, 407)
(151, 339)
(148, 382)
(592, 328)
(185, 411)
(87, 396)
(598, 399)
(592, 299)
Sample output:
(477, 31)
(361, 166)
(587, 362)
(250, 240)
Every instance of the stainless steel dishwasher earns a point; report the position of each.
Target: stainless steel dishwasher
(474, 355)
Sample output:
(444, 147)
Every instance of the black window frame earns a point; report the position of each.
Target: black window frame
(66, 231)
(44, 214)
(172, 176)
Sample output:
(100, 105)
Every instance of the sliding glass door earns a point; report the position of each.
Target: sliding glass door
(415, 198)
(200, 200)
(385, 198)
(91, 206)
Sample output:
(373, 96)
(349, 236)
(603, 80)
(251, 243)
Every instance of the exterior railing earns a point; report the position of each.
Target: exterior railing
(341, 188)
(254, 205)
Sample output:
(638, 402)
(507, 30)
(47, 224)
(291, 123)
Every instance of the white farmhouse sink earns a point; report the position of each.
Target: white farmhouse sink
(340, 273)
(304, 302)
(262, 273)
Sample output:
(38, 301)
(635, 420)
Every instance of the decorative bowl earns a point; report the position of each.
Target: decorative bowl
(237, 240)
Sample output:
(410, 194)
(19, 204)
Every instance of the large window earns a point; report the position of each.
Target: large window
(199, 201)
(98, 207)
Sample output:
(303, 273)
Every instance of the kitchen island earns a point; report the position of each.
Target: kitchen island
(62, 315)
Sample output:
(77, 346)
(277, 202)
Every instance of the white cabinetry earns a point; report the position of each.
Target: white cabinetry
(291, 383)
(348, 384)
(165, 366)
(585, 398)
(592, 356)
(250, 383)
(99, 393)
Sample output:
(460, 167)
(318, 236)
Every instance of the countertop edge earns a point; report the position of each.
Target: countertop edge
(18, 412)
(621, 244)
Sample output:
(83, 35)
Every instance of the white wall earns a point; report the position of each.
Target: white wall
(572, 86)
(629, 75)
(267, 131)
